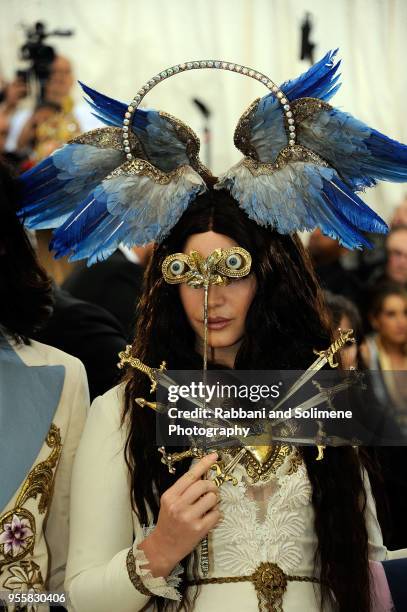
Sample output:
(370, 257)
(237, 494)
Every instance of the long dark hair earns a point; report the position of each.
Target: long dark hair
(25, 289)
(285, 322)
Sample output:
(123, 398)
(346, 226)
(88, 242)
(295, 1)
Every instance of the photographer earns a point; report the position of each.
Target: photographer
(55, 118)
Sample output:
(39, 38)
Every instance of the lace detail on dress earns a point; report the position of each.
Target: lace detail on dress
(157, 585)
(244, 541)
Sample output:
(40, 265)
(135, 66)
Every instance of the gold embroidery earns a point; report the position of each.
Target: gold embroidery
(133, 575)
(38, 482)
(295, 461)
(304, 108)
(243, 132)
(40, 479)
(24, 576)
(109, 138)
(141, 167)
(288, 155)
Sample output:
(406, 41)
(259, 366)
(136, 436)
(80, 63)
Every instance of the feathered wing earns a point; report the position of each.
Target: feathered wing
(52, 189)
(302, 196)
(97, 199)
(166, 141)
(313, 183)
(266, 135)
(360, 154)
(132, 206)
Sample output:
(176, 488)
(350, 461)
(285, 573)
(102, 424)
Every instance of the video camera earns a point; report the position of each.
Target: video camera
(39, 55)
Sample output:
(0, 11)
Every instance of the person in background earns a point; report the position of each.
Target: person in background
(385, 352)
(11, 95)
(58, 90)
(89, 332)
(386, 349)
(4, 127)
(43, 404)
(327, 256)
(122, 273)
(345, 315)
(388, 462)
(399, 216)
(396, 251)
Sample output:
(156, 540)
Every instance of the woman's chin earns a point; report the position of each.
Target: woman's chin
(221, 339)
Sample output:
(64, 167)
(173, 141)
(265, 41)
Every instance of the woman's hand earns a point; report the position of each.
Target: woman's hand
(188, 510)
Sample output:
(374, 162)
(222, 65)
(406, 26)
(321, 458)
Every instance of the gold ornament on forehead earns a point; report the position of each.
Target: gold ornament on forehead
(219, 268)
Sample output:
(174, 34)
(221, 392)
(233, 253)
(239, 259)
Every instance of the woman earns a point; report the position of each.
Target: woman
(345, 315)
(314, 514)
(43, 403)
(292, 529)
(386, 350)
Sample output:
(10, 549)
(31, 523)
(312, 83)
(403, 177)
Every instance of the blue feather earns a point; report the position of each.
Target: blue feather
(129, 208)
(111, 110)
(267, 131)
(320, 81)
(157, 134)
(360, 154)
(52, 189)
(302, 196)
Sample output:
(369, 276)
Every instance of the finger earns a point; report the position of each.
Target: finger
(210, 520)
(205, 504)
(194, 474)
(197, 489)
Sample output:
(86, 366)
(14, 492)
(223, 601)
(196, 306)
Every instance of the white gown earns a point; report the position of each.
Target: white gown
(271, 522)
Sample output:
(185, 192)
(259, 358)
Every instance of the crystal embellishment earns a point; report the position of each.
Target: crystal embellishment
(131, 109)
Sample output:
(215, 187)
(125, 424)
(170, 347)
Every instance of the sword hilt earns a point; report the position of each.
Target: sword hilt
(345, 335)
(127, 358)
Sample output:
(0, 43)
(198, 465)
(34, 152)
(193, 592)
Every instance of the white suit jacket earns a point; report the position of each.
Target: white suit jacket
(43, 404)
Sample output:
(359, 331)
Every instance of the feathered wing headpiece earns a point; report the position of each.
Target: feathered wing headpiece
(130, 182)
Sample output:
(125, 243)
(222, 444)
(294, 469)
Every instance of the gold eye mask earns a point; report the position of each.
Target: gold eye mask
(218, 268)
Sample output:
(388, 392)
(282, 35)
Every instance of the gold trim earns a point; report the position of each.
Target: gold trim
(187, 136)
(269, 581)
(304, 108)
(110, 138)
(133, 575)
(288, 155)
(142, 167)
(40, 479)
(243, 132)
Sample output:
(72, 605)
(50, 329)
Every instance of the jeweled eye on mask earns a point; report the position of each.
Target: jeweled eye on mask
(234, 263)
(177, 267)
(216, 269)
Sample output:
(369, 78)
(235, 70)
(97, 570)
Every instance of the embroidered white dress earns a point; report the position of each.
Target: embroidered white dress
(272, 522)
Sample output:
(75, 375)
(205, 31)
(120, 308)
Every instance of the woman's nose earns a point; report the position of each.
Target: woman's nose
(216, 296)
